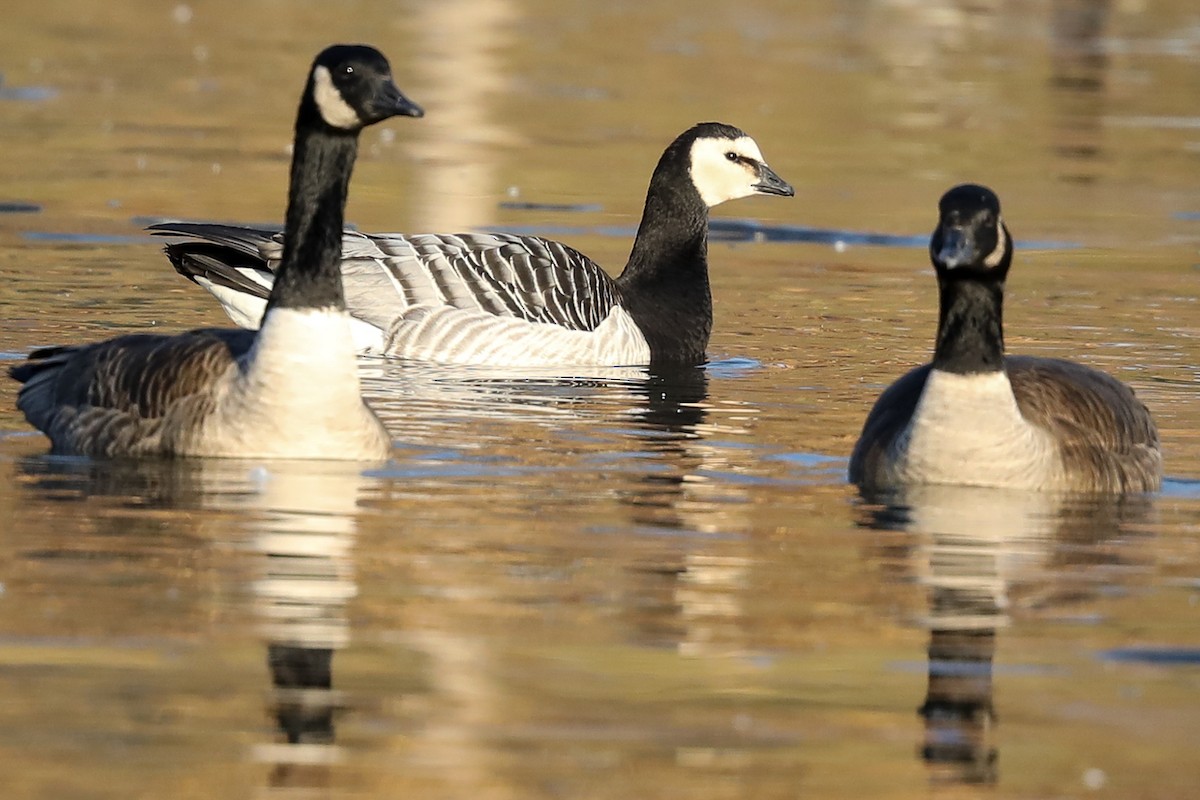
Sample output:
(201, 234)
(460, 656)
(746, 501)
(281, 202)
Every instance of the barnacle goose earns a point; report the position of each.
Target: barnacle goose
(508, 300)
(976, 417)
(289, 390)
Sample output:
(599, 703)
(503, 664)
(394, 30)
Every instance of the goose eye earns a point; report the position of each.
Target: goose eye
(732, 156)
(348, 69)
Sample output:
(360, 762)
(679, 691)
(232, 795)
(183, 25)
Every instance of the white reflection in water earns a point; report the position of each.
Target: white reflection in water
(301, 521)
(983, 556)
(463, 44)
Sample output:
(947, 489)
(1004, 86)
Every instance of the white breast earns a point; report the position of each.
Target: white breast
(968, 430)
(297, 395)
(462, 336)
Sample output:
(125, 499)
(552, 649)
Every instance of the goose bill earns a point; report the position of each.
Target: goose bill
(770, 183)
(391, 102)
(958, 248)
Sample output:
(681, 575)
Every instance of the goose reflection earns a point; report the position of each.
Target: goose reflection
(986, 556)
(688, 595)
(303, 519)
(291, 526)
(1079, 69)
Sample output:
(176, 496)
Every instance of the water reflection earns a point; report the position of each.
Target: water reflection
(295, 520)
(304, 524)
(985, 556)
(650, 434)
(466, 77)
(1079, 67)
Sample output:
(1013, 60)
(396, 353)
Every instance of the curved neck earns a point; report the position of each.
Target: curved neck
(309, 275)
(970, 336)
(664, 285)
(672, 238)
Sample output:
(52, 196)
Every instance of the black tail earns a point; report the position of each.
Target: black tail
(35, 362)
(218, 253)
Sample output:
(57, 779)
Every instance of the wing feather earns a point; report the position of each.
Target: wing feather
(1103, 429)
(112, 398)
(887, 420)
(386, 275)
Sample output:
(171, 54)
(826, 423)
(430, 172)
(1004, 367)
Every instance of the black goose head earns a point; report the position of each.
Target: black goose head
(350, 86)
(723, 163)
(970, 241)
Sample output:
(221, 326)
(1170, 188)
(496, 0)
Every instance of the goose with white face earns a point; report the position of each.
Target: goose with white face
(726, 169)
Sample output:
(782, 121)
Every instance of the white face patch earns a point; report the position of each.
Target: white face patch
(716, 177)
(993, 258)
(334, 109)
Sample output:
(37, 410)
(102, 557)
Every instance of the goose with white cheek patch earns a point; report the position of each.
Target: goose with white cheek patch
(975, 416)
(508, 300)
(289, 390)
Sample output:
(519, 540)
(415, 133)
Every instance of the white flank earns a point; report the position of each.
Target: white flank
(460, 336)
(967, 430)
(333, 107)
(297, 395)
(244, 309)
(718, 179)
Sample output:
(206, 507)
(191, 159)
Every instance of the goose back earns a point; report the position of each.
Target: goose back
(113, 398)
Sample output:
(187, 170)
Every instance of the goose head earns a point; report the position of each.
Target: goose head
(971, 240)
(350, 86)
(725, 164)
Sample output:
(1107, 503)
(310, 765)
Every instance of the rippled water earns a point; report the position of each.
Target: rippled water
(612, 583)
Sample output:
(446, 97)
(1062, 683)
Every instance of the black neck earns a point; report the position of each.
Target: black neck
(665, 285)
(309, 275)
(970, 335)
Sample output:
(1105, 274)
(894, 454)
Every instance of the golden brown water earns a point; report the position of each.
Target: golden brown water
(620, 585)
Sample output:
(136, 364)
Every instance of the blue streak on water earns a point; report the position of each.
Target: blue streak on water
(807, 459)
(748, 230)
(971, 669)
(573, 208)
(30, 94)
(1181, 487)
(16, 207)
(735, 367)
(741, 479)
(1188, 216)
(1159, 656)
(460, 470)
(59, 237)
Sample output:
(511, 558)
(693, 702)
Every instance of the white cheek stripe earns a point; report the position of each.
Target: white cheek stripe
(994, 258)
(336, 111)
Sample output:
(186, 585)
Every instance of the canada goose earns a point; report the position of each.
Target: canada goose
(507, 300)
(976, 417)
(291, 389)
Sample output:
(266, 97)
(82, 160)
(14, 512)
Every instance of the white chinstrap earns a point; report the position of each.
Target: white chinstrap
(333, 107)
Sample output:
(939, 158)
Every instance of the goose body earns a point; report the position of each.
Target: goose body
(508, 300)
(975, 416)
(288, 390)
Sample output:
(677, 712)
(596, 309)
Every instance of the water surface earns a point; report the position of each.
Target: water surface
(612, 583)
